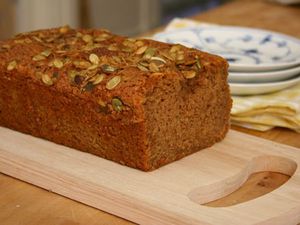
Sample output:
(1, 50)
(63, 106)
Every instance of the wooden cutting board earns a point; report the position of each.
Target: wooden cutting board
(172, 194)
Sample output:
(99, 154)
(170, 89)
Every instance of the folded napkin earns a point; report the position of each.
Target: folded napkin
(259, 112)
(263, 112)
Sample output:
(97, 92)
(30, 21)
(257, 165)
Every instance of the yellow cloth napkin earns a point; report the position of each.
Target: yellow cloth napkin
(259, 112)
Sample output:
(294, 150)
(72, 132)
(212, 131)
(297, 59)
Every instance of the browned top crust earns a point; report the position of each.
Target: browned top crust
(114, 71)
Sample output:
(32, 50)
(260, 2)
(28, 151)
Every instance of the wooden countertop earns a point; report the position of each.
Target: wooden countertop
(22, 203)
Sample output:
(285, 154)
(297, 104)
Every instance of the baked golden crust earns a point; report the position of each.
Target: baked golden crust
(103, 80)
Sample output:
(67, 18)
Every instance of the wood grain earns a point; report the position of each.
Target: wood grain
(173, 194)
(22, 203)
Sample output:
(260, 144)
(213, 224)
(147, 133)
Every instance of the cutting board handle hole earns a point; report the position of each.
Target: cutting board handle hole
(268, 167)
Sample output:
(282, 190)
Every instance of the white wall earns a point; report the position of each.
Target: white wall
(38, 14)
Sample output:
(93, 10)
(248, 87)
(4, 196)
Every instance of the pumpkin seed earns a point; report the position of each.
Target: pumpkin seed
(108, 69)
(141, 50)
(64, 29)
(72, 74)
(46, 79)
(128, 43)
(60, 51)
(12, 65)
(92, 67)
(38, 57)
(6, 46)
(94, 59)
(58, 63)
(149, 53)
(117, 59)
(98, 78)
(82, 64)
(180, 56)
(79, 35)
(189, 62)
(37, 39)
(46, 53)
(102, 107)
(189, 74)
(19, 41)
(175, 48)
(87, 38)
(112, 47)
(139, 43)
(153, 67)
(127, 49)
(89, 86)
(153, 58)
(117, 104)
(142, 68)
(102, 37)
(113, 82)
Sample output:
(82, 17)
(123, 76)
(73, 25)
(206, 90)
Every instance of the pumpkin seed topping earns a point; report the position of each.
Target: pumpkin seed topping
(108, 69)
(92, 67)
(98, 78)
(153, 67)
(82, 64)
(6, 46)
(117, 104)
(141, 50)
(142, 68)
(89, 86)
(113, 82)
(139, 43)
(46, 53)
(87, 38)
(64, 29)
(149, 53)
(102, 37)
(58, 63)
(189, 74)
(12, 65)
(153, 58)
(38, 57)
(46, 79)
(94, 59)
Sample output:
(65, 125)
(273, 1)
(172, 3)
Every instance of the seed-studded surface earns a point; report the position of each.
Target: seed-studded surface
(116, 97)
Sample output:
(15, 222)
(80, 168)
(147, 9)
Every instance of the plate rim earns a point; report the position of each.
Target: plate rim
(244, 67)
(272, 76)
(261, 88)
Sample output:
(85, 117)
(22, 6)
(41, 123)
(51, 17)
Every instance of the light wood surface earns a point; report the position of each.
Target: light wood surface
(173, 194)
(22, 203)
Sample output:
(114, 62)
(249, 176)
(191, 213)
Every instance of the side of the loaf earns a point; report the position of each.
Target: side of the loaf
(38, 110)
(140, 103)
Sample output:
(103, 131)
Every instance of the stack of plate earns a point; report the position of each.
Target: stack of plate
(260, 61)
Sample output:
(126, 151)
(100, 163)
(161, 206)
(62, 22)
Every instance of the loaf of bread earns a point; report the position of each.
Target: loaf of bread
(138, 102)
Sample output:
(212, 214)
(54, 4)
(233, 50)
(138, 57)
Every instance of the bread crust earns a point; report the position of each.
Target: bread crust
(113, 96)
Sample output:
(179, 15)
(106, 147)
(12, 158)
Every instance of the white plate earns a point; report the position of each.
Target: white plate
(258, 77)
(246, 49)
(261, 88)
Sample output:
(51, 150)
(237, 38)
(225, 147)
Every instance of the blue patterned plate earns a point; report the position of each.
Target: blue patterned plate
(261, 88)
(245, 49)
(260, 77)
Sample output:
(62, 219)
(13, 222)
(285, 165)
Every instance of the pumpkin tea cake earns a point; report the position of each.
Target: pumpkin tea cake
(140, 103)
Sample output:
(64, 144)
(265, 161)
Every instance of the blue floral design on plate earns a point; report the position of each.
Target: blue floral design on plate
(246, 49)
